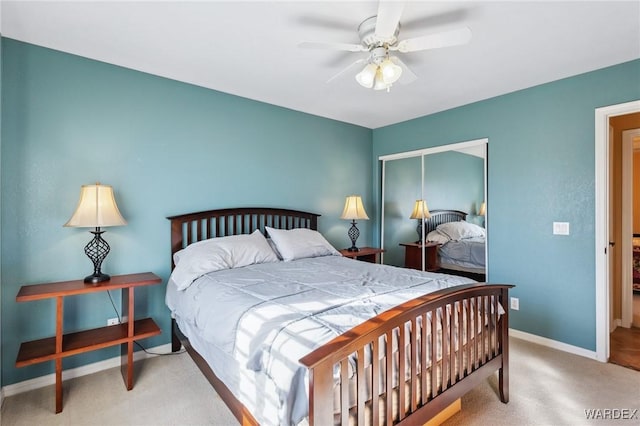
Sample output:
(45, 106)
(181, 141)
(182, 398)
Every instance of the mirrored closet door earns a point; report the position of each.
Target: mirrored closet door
(451, 180)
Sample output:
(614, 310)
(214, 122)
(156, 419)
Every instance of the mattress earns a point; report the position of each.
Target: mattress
(253, 324)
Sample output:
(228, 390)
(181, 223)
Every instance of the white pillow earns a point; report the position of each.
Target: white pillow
(274, 248)
(461, 230)
(436, 237)
(215, 254)
(299, 243)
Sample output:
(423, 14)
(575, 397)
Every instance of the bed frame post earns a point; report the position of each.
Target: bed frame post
(503, 372)
(175, 340)
(320, 395)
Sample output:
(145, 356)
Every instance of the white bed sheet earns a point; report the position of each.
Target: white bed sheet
(466, 255)
(253, 324)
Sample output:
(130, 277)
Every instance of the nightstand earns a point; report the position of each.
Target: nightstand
(64, 345)
(366, 254)
(413, 256)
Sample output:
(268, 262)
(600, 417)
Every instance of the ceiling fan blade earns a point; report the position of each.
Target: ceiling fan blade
(333, 46)
(347, 69)
(407, 76)
(435, 41)
(387, 20)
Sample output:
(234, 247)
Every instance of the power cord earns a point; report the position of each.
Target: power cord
(181, 351)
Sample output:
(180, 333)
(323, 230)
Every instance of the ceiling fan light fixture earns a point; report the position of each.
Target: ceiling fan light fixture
(390, 71)
(367, 76)
(379, 83)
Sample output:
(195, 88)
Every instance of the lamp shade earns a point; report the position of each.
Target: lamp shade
(367, 75)
(420, 210)
(390, 71)
(353, 208)
(379, 83)
(97, 208)
(483, 209)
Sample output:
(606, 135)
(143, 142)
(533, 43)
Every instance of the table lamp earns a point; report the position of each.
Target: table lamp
(420, 212)
(96, 209)
(482, 211)
(353, 209)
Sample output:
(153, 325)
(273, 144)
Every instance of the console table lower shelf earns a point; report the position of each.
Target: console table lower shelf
(63, 345)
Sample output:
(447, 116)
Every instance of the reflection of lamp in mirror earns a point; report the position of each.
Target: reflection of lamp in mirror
(420, 212)
(353, 209)
(482, 211)
(96, 209)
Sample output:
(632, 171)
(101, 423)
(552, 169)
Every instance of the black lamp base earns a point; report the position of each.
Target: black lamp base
(354, 233)
(97, 249)
(419, 231)
(97, 278)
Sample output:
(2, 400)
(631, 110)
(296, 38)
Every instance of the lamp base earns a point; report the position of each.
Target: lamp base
(354, 233)
(419, 231)
(97, 278)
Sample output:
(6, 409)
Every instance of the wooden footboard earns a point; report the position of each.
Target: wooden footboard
(450, 340)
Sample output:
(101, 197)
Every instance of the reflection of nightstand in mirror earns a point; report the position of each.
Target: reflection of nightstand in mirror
(413, 256)
(366, 254)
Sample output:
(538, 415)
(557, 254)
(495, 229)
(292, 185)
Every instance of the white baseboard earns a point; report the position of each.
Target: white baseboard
(50, 379)
(554, 344)
(614, 324)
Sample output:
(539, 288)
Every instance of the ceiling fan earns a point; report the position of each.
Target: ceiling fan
(379, 37)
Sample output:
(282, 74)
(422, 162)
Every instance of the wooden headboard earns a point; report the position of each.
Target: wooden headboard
(442, 216)
(192, 227)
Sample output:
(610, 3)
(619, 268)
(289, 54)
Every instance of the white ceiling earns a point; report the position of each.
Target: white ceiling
(249, 48)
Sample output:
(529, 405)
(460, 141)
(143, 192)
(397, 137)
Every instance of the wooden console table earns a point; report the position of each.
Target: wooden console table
(63, 345)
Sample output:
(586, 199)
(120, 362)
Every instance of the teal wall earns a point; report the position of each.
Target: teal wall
(541, 169)
(453, 180)
(166, 148)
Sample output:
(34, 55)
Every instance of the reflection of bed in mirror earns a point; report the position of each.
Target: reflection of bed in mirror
(462, 250)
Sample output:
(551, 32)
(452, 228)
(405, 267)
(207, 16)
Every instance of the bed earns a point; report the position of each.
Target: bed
(450, 339)
(462, 249)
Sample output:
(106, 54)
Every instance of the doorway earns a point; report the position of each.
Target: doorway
(608, 256)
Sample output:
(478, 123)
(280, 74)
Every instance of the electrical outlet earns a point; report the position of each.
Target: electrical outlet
(515, 303)
(113, 321)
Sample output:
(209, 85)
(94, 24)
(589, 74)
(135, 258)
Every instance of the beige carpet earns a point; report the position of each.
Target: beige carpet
(168, 390)
(548, 387)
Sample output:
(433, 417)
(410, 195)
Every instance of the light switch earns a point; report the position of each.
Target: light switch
(560, 228)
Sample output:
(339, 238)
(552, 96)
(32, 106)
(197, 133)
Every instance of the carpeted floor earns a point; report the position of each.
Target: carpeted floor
(548, 387)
